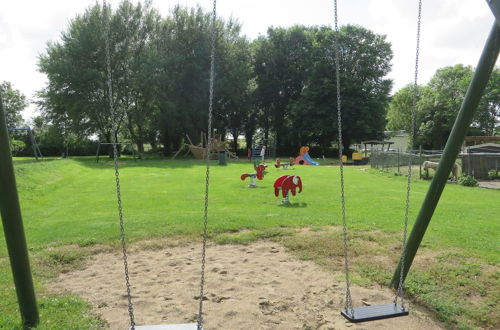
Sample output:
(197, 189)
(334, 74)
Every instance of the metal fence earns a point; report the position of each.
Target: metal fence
(478, 165)
(397, 162)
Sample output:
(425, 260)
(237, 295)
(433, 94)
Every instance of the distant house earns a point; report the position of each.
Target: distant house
(478, 160)
(400, 139)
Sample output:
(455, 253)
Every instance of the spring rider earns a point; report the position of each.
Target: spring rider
(259, 174)
(287, 184)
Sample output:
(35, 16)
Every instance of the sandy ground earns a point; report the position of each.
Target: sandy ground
(258, 286)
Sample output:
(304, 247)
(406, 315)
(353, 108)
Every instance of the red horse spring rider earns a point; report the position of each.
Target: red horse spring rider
(287, 184)
(259, 174)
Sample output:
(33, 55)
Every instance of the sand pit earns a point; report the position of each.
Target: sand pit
(258, 286)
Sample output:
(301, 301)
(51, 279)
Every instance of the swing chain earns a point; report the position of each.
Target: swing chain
(348, 301)
(117, 172)
(400, 289)
(207, 174)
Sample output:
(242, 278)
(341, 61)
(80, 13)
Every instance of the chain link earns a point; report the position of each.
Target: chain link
(348, 300)
(207, 174)
(115, 161)
(400, 290)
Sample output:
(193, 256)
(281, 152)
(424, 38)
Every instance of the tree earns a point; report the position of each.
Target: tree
(76, 71)
(441, 101)
(282, 64)
(364, 63)
(14, 102)
(76, 68)
(399, 112)
(233, 89)
(488, 117)
(138, 25)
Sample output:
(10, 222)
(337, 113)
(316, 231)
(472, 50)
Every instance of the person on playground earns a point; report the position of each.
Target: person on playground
(249, 154)
(263, 153)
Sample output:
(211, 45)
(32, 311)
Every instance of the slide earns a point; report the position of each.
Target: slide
(309, 159)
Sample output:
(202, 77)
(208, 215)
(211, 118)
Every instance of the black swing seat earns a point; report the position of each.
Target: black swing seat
(187, 326)
(376, 312)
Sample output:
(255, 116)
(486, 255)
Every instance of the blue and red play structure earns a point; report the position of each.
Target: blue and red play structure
(304, 158)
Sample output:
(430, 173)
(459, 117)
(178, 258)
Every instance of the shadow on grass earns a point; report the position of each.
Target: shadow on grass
(294, 205)
(23, 161)
(127, 161)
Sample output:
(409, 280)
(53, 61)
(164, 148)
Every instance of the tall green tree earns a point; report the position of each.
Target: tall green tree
(234, 72)
(282, 64)
(76, 71)
(364, 60)
(441, 101)
(77, 91)
(399, 112)
(14, 102)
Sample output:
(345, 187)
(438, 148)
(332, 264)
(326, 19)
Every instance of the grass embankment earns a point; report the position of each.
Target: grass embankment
(69, 209)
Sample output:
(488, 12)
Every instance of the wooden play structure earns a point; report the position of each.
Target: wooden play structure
(200, 150)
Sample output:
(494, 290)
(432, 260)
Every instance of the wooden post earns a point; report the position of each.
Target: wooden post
(398, 162)
(420, 162)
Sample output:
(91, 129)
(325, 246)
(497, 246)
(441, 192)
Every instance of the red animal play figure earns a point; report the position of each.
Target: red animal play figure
(259, 174)
(287, 183)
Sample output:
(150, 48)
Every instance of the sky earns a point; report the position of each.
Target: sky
(452, 31)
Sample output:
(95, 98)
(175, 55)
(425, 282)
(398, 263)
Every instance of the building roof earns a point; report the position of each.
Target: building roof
(376, 142)
(483, 138)
(485, 147)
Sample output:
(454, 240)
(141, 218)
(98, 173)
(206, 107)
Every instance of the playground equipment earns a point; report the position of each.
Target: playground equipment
(34, 145)
(13, 228)
(304, 158)
(14, 233)
(285, 166)
(259, 174)
(287, 184)
(200, 150)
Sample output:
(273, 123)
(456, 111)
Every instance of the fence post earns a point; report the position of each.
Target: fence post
(420, 161)
(398, 162)
(469, 163)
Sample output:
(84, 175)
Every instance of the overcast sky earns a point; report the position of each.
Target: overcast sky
(452, 31)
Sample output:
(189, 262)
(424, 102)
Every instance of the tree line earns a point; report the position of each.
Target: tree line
(438, 103)
(280, 86)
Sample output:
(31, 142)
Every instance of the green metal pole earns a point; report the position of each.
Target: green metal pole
(452, 148)
(14, 231)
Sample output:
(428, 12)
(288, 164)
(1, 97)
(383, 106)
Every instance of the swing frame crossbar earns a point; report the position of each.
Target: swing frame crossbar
(375, 312)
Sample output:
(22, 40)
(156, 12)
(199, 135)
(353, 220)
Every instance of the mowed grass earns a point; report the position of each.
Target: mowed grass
(72, 202)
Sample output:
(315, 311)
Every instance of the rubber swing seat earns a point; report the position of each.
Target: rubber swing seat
(187, 326)
(375, 312)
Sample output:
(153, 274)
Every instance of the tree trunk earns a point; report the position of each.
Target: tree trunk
(235, 141)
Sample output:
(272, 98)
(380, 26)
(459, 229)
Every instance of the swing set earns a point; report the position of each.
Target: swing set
(16, 241)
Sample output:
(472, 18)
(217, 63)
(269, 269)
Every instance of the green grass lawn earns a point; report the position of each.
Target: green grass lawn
(72, 201)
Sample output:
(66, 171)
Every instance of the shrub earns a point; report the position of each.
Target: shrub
(467, 180)
(17, 146)
(493, 174)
